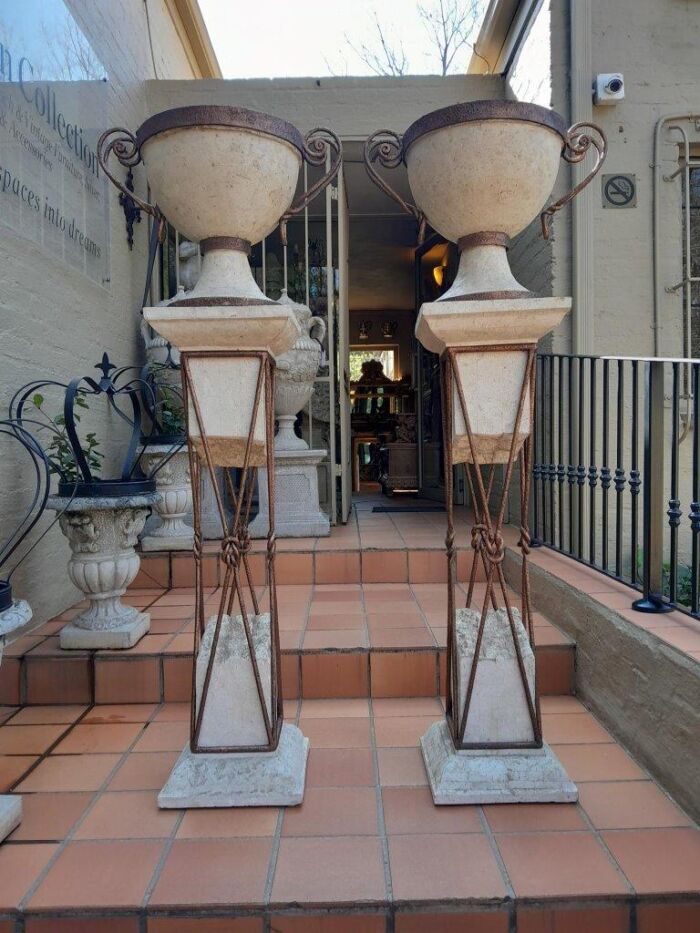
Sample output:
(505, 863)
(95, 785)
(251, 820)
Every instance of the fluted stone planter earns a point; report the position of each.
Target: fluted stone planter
(13, 617)
(102, 533)
(170, 530)
(297, 510)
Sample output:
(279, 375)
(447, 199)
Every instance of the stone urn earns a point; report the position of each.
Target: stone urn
(14, 615)
(480, 172)
(102, 533)
(226, 177)
(295, 374)
(169, 530)
(297, 510)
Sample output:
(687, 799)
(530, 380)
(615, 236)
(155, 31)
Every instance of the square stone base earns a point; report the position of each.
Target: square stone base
(154, 543)
(10, 814)
(265, 779)
(124, 636)
(498, 776)
(297, 510)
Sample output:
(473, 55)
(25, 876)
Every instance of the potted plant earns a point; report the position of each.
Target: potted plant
(101, 517)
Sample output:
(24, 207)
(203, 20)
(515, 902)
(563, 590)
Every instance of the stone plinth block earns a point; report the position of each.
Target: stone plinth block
(263, 779)
(102, 532)
(10, 814)
(297, 511)
(498, 710)
(232, 713)
(498, 776)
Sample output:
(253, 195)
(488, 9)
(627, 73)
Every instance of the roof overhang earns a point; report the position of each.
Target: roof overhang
(505, 24)
(194, 35)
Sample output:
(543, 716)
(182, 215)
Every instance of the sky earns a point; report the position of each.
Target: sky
(307, 38)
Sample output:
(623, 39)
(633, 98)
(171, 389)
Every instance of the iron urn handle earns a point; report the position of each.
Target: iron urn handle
(576, 145)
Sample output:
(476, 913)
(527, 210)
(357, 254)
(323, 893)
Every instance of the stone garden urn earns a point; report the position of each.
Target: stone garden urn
(170, 529)
(226, 177)
(480, 173)
(14, 615)
(296, 466)
(102, 533)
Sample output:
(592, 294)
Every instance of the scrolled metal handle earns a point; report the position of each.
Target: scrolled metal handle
(318, 325)
(125, 147)
(386, 147)
(319, 143)
(576, 145)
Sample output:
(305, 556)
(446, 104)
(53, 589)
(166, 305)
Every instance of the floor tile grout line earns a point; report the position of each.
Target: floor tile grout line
(38, 881)
(379, 804)
(496, 852)
(54, 744)
(277, 836)
(162, 859)
(608, 854)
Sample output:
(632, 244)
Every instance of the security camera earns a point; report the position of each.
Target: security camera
(608, 89)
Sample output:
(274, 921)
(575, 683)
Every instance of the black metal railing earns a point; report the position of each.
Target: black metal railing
(616, 476)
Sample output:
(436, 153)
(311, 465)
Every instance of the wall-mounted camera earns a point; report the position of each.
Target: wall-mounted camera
(608, 89)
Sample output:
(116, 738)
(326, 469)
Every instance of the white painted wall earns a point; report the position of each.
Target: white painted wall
(54, 322)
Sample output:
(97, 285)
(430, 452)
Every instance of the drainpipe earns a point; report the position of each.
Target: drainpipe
(660, 126)
(582, 243)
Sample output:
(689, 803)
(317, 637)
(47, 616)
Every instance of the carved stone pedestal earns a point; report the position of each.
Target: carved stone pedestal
(102, 533)
(229, 705)
(297, 512)
(15, 617)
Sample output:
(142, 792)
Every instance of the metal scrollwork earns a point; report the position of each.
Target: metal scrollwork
(319, 144)
(125, 147)
(386, 148)
(576, 146)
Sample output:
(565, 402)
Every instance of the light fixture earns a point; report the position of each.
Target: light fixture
(364, 329)
(439, 275)
(389, 328)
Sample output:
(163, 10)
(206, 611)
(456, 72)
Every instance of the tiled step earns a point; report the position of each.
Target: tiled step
(344, 640)
(366, 852)
(319, 561)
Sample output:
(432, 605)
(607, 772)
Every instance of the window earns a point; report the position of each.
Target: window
(387, 356)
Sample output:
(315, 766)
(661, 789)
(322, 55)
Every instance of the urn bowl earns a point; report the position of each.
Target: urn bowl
(483, 165)
(219, 171)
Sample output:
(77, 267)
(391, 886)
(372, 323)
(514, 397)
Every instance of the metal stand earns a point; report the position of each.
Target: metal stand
(237, 588)
(487, 544)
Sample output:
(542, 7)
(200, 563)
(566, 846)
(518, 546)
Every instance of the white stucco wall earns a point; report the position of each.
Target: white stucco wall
(654, 44)
(54, 322)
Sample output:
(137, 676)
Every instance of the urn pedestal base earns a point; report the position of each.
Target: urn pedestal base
(118, 638)
(260, 779)
(297, 512)
(10, 814)
(494, 776)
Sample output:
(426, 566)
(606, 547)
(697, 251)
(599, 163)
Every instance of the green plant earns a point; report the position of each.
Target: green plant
(171, 413)
(684, 579)
(60, 451)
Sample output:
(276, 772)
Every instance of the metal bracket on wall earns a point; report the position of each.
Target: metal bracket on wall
(132, 214)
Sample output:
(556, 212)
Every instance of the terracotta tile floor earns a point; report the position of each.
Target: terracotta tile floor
(367, 836)
(318, 617)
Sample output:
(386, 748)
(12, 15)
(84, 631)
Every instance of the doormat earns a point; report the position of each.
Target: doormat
(408, 508)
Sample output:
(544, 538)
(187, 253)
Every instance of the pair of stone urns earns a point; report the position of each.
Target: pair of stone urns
(226, 177)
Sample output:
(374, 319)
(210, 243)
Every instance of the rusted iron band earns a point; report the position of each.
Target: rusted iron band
(483, 238)
(219, 301)
(474, 110)
(226, 242)
(218, 115)
(491, 296)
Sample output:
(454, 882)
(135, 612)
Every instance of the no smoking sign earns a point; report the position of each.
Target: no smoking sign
(619, 191)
